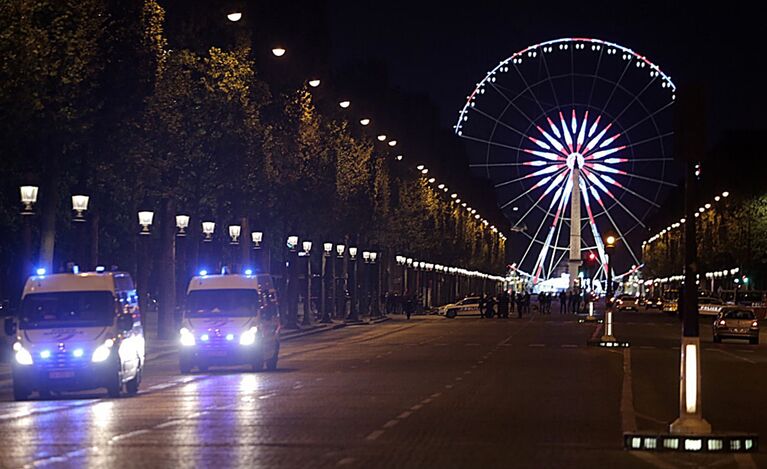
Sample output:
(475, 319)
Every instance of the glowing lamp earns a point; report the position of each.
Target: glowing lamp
(409, 261)
(725, 194)
(278, 51)
(373, 256)
(610, 241)
(28, 198)
(328, 248)
(340, 250)
(399, 157)
(79, 205)
(208, 227)
(424, 171)
(453, 195)
(234, 16)
(257, 237)
(307, 245)
(420, 167)
(182, 223)
(365, 121)
(234, 233)
(381, 137)
(392, 143)
(40, 271)
(314, 83)
(344, 104)
(248, 271)
(432, 180)
(353, 252)
(145, 219)
(292, 242)
(366, 255)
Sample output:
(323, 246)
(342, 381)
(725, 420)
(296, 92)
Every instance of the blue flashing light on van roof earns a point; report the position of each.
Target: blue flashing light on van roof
(203, 273)
(100, 268)
(75, 269)
(40, 271)
(248, 271)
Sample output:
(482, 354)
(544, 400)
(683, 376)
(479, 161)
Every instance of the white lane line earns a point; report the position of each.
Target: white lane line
(647, 347)
(169, 423)
(426, 401)
(391, 423)
(730, 354)
(467, 372)
(374, 435)
(267, 396)
(123, 436)
(448, 386)
(416, 407)
(569, 346)
(536, 345)
(458, 378)
(404, 415)
(628, 417)
(345, 461)
(435, 395)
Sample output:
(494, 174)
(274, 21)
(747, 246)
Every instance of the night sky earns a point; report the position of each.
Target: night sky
(443, 49)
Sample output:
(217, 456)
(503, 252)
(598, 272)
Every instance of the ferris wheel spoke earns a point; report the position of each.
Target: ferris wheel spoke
(494, 165)
(617, 83)
(490, 142)
(547, 170)
(512, 103)
(650, 139)
(592, 222)
(557, 178)
(612, 221)
(537, 231)
(550, 80)
(529, 90)
(498, 121)
(594, 77)
(617, 184)
(649, 116)
(634, 99)
(609, 193)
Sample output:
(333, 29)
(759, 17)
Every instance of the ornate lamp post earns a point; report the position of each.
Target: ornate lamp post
(28, 199)
(339, 283)
(145, 219)
(327, 251)
(307, 320)
(353, 310)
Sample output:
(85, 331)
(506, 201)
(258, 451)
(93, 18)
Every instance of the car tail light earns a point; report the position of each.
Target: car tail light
(722, 322)
(755, 324)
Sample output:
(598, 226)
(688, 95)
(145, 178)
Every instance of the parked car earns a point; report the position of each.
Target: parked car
(736, 323)
(653, 303)
(709, 305)
(468, 306)
(627, 303)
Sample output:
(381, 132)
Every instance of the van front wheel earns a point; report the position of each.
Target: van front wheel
(132, 386)
(20, 393)
(271, 363)
(114, 386)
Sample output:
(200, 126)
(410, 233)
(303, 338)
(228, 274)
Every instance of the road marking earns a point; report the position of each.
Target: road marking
(647, 347)
(426, 401)
(169, 423)
(536, 345)
(404, 415)
(448, 386)
(569, 346)
(267, 396)
(467, 372)
(473, 366)
(345, 462)
(458, 378)
(416, 407)
(374, 435)
(472, 344)
(628, 417)
(435, 395)
(730, 354)
(391, 423)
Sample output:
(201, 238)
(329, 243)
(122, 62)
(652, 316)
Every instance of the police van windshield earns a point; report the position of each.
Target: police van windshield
(223, 302)
(67, 309)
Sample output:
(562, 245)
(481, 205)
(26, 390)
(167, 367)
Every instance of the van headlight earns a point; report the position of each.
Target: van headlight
(23, 357)
(248, 337)
(103, 351)
(187, 338)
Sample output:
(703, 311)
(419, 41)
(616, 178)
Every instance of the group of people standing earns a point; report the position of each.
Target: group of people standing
(506, 302)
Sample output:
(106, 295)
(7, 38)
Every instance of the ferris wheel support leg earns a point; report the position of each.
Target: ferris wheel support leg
(575, 228)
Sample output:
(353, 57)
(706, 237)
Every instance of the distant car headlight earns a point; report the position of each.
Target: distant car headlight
(248, 337)
(103, 351)
(187, 338)
(23, 357)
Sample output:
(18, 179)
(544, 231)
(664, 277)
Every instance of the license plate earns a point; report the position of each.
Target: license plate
(217, 353)
(61, 374)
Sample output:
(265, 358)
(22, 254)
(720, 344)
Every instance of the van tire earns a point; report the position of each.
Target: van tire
(20, 393)
(258, 363)
(114, 387)
(185, 365)
(271, 363)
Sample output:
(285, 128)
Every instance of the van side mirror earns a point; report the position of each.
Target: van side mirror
(10, 326)
(125, 322)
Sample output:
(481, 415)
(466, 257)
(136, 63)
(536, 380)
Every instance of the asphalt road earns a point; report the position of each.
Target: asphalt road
(431, 392)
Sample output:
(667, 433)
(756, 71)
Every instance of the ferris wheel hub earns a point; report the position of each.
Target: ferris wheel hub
(574, 159)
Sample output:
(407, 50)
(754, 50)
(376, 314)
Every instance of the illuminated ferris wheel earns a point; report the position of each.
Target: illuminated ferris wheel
(576, 135)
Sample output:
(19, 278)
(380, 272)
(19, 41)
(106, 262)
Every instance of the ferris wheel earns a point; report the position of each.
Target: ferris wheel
(573, 126)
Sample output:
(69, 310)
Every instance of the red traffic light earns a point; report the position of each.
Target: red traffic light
(592, 256)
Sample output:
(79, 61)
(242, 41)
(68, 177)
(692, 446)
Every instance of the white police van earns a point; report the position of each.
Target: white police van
(230, 320)
(77, 331)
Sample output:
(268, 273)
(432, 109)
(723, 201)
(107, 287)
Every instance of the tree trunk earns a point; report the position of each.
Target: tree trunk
(167, 297)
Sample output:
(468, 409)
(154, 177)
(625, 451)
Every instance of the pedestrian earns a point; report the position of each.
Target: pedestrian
(489, 304)
(546, 303)
(520, 304)
(408, 304)
(512, 300)
(482, 305)
(527, 302)
(503, 305)
(577, 300)
(562, 302)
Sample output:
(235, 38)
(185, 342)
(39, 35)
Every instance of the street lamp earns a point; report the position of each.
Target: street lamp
(314, 83)
(307, 245)
(365, 121)
(610, 241)
(208, 227)
(80, 205)
(366, 256)
(234, 16)
(292, 243)
(354, 312)
(327, 251)
(28, 198)
(257, 237)
(353, 253)
(345, 104)
(381, 137)
(145, 220)
(182, 223)
(234, 234)
(392, 143)
(278, 51)
(340, 250)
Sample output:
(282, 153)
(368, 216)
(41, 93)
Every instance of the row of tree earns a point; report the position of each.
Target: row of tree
(93, 101)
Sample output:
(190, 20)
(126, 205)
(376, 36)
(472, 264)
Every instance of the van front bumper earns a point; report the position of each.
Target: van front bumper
(227, 354)
(89, 376)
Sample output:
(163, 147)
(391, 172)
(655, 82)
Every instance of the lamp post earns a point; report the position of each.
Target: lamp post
(257, 237)
(291, 321)
(353, 310)
(610, 241)
(327, 251)
(366, 300)
(28, 199)
(339, 285)
(182, 223)
(307, 249)
(145, 219)
(80, 206)
(234, 242)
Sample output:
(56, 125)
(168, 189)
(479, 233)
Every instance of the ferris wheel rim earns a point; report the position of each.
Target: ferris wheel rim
(664, 77)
